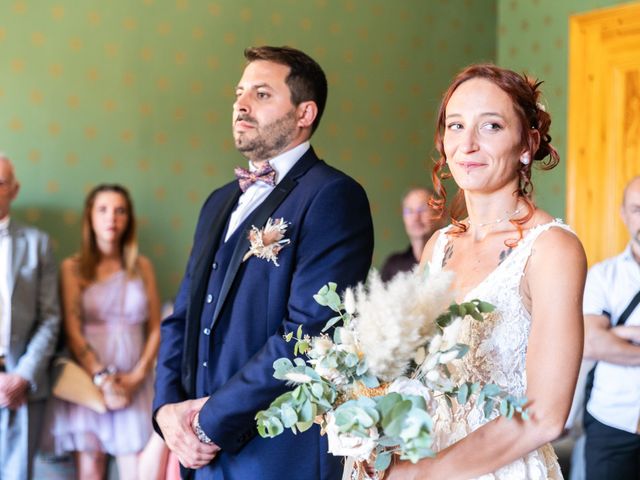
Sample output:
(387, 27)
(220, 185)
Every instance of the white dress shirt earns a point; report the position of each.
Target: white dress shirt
(615, 398)
(5, 295)
(259, 191)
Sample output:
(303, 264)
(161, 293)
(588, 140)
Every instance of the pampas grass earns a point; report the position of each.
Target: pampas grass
(395, 319)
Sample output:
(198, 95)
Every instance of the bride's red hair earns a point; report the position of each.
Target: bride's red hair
(525, 94)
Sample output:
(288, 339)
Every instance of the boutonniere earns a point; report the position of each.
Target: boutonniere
(267, 242)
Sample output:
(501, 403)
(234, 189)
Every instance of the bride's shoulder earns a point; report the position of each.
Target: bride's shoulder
(429, 248)
(556, 244)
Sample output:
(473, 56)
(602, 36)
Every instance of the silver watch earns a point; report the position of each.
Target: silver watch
(197, 429)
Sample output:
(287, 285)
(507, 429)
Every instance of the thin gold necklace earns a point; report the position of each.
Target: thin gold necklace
(499, 220)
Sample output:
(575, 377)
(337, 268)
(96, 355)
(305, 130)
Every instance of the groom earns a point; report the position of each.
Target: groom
(239, 296)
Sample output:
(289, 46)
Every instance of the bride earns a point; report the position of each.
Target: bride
(491, 131)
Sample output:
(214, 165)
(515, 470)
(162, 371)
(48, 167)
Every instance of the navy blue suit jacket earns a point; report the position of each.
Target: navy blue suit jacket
(331, 237)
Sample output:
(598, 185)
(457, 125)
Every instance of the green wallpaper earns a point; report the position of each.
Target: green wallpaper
(533, 37)
(140, 92)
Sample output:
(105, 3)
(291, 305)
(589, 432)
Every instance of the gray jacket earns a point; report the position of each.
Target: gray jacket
(35, 307)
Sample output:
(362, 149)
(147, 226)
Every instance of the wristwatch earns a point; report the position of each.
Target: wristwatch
(197, 429)
(99, 377)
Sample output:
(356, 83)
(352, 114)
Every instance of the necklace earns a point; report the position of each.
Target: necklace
(499, 220)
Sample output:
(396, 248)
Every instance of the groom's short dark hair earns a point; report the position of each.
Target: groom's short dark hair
(306, 80)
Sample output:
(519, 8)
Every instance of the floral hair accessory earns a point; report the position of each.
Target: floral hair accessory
(541, 106)
(267, 242)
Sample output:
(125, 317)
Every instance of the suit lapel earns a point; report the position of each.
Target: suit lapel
(18, 250)
(258, 218)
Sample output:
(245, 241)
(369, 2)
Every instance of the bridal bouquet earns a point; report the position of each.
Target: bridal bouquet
(374, 383)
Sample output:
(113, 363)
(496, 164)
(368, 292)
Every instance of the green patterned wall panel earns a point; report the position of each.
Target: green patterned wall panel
(140, 92)
(533, 37)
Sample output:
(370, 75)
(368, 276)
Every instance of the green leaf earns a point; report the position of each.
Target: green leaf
(504, 407)
(288, 336)
(383, 460)
(298, 393)
(397, 417)
(306, 412)
(317, 390)
(462, 349)
(299, 332)
(387, 402)
(370, 381)
(463, 394)
(288, 415)
(304, 426)
(333, 301)
(488, 408)
(332, 286)
(303, 347)
(320, 299)
(491, 389)
(331, 323)
(485, 307)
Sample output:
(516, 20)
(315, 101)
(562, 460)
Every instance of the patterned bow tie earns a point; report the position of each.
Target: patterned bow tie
(246, 178)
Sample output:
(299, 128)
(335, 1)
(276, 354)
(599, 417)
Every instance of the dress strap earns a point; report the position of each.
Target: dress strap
(515, 263)
(435, 264)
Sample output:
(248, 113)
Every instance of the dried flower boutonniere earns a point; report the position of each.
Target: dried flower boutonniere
(267, 242)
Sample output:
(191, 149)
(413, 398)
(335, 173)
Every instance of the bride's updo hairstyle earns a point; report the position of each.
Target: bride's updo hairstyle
(525, 97)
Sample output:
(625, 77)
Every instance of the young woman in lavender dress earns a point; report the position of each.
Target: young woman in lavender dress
(112, 327)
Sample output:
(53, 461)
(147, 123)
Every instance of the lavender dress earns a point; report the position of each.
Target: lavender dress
(114, 315)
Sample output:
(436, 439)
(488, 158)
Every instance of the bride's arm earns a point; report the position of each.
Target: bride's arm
(554, 281)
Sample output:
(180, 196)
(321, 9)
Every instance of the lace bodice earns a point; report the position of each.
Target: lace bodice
(497, 353)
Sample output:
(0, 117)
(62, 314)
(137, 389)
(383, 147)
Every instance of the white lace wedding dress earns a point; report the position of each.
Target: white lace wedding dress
(497, 353)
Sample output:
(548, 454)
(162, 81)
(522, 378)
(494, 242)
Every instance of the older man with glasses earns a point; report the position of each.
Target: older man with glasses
(420, 222)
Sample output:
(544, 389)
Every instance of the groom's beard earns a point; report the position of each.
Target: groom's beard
(269, 140)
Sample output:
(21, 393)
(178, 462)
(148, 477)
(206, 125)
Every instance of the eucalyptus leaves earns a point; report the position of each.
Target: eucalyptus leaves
(373, 384)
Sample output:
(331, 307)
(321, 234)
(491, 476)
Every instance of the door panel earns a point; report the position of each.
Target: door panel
(604, 124)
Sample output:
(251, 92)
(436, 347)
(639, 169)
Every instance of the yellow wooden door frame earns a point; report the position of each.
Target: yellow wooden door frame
(604, 57)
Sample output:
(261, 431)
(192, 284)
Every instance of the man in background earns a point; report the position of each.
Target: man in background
(29, 324)
(612, 338)
(420, 222)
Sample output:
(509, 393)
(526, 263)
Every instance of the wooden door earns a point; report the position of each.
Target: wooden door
(604, 124)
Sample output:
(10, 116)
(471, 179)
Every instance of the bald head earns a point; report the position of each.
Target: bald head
(633, 185)
(630, 212)
(9, 186)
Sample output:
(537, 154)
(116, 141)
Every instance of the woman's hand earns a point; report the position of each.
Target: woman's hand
(405, 470)
(128, 383)
(118, 389)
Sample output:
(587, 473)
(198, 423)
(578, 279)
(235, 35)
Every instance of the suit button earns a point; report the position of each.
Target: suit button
(206, 331)
(209, 298)
(204, 364)
(215, 265)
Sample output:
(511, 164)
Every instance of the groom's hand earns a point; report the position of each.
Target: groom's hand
(175, 419)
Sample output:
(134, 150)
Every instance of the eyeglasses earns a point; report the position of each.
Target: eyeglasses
(406, 211)
(5, 184)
